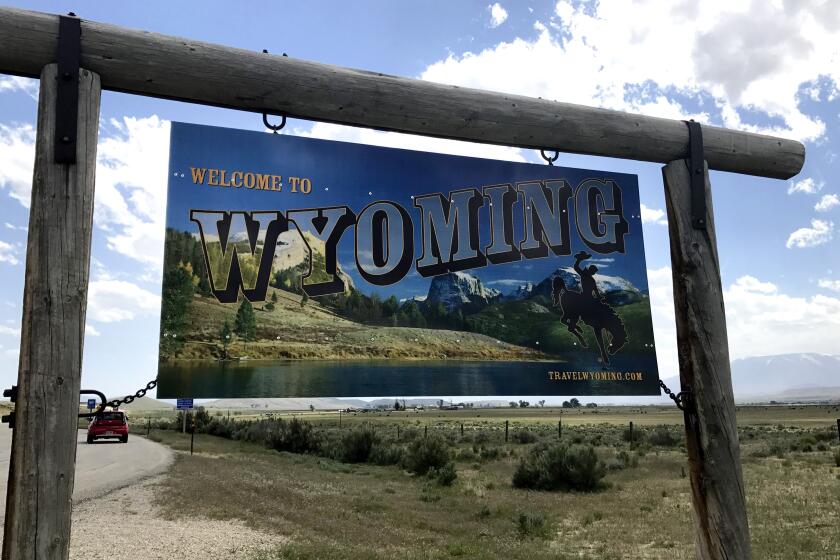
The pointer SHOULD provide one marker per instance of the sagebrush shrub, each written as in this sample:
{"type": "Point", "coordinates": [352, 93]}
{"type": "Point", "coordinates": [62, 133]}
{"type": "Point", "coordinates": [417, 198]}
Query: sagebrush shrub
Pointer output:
{"type": "Point", "coordinates": [357, 445]}
{"type": "Point", "coordinates": [560, 467]}
{"type": "Point", "coordinates": [663, 437]}
{"type": "Point", "coordinates": [524, 436]}
{"type": "Point", "coordinates": [426, 453]}
{"type": "Point", "coordinates": [386, 454]}
{"type": "Point", "coordinates": [295, 436]}
{"type": "Point", "coordinates": [531, 525]}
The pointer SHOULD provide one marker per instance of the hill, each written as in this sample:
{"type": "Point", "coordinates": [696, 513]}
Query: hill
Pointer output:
{"type": "Point", "coordinates": [297, 328]}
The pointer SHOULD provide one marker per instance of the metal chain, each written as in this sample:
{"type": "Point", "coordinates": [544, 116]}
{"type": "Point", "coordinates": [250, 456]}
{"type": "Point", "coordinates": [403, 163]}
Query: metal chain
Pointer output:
{"type": "Point", "coordinates": [128, 399]}
{"type": "Point", "coordinates": [678, 398]}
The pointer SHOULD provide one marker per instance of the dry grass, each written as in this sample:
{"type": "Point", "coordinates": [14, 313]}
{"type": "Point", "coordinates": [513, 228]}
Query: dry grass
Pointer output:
{"type": "Point", "coordinates": [333, 510]}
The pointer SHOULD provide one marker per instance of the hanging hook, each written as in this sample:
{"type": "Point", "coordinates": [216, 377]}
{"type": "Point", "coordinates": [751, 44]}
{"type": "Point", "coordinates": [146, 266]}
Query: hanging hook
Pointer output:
{"type": "Point", "coordinates": [273, 127]}
{"type": "Point", "coordinates": [550, 160]}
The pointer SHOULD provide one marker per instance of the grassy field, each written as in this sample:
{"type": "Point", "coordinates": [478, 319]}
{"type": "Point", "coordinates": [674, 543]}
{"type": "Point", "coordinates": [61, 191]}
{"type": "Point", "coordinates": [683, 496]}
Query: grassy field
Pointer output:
{"type": "Point", "coordinates": [331, 509]}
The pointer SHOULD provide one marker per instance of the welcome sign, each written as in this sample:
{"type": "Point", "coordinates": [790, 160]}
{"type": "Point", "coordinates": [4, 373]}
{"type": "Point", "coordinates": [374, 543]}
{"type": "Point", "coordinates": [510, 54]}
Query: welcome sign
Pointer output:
{"type": "Point", "coordinates": [297, 267]}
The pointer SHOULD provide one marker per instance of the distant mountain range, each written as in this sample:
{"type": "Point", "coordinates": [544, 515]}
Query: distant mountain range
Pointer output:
{"type": "Point", "coordinates": [784, 377]}
{"type": "Point", "coordinates": [457, 290]}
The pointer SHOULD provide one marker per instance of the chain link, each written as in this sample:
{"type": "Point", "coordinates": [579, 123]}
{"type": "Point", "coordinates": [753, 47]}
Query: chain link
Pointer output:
{"type": "Point", "coordinates": [678, 398]}
{"type": "Point", "coordinates": [128, 399]}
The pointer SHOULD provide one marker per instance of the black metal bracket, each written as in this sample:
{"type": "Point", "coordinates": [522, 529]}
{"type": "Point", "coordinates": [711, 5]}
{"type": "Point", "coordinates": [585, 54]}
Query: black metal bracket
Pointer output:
{"type": "Point", "coordinates": [11, 394]}
{"type": "Point", "coordinates": [696, 163]}
{"type": "Point", "coordinates": [67, 92]}
{"type": "Point", "coordinates": [9, 418]}
{"type": "Point", "coordinates": [102, 402]}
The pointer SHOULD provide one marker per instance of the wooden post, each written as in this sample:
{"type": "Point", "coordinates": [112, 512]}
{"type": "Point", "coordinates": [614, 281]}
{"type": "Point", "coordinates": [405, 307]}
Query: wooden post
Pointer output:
{"type": "Point", "coordinates": [425, 430]}
{"type": "Point", "coordinates": [717, 483]}
{"type": "Point", "coordinates": [838, 429]}
{"type": "Point", "coordinates": [149, 428]}
{"type": "Point", "coordinates": [462, 429]}
{"type": "Point", "coordinates": [506, 430]}
{"type": "Point", "coordinates": [631, 432]}
{"type": "Point", "coordinates": [559, 429]}
{"type": "Point", "coordinates": [43, 456]}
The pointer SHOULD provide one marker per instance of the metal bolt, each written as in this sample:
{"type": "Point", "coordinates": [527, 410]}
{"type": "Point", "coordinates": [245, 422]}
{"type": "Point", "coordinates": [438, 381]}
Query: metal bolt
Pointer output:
{"type": "Point", "coordinates": [65, 139]}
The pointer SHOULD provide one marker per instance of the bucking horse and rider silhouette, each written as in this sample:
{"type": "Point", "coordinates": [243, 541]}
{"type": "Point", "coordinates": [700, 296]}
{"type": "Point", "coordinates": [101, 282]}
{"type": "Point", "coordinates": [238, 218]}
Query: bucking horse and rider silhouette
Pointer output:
{"type": "Point", "coordinates": [588, 305]}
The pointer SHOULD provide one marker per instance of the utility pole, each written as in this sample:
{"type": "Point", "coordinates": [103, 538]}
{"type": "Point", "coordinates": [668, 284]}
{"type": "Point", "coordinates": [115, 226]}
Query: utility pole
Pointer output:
{"type": "Point", "coordinates": [43, 457]}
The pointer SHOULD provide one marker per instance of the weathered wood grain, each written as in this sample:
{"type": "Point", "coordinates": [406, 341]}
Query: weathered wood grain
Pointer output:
{"type": "Point", "coordinates": [169, 67]}
{"type": "Point", "coordinates": [42, 464]}
{"type": "Point", "coordinates": [717, 483]}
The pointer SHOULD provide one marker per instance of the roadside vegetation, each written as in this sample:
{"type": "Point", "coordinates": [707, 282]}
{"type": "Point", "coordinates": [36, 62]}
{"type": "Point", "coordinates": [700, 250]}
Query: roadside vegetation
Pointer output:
{"type": "Point", "coordinates": [418, 485]}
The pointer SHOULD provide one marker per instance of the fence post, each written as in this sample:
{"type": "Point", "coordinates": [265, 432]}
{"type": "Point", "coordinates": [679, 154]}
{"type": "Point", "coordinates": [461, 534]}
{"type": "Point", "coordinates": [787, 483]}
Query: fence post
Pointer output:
{"type": "Point", "coordinates": [559, 429]}
{"type": "Point", "coordinates": [462, 429]}
{"type": "Point", "coordinates": [149, 428]}
{"type": "Point", "coordinates": [506, 430]}
{"type": "Point", "coordinates": [425, 430]}
{"type": "Point", "coordinates": [43, 455]}
{"type": "Point", "coordinates": [838, 430]}
{"type": "Point", "coordinates": [631, 432]}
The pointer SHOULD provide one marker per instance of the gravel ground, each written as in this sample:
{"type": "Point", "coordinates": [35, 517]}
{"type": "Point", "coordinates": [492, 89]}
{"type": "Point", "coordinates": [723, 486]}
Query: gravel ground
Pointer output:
{"type": "Point", "coordinates": [125, 524]}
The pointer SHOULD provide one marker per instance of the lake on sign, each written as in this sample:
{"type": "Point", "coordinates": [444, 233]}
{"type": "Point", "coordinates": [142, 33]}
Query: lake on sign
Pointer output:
{"type": "Point", "coordinates": [295, 378]}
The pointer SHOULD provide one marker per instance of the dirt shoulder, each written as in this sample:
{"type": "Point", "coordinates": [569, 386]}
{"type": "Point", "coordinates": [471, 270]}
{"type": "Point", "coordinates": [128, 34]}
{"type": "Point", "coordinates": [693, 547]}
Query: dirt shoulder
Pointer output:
{"type": "Point", "coordinates": [127, 524]}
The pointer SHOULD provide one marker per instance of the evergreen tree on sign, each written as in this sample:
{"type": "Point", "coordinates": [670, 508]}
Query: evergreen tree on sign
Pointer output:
{"type": "Point", "coordinates": [245, 325]}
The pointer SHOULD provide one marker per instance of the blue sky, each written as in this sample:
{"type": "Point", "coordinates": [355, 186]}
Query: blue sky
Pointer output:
{"type": "Point", "coordinates": [767, 67]}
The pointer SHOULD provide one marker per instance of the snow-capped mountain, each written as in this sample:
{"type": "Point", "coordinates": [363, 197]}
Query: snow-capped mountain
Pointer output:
{"type": "Point", "coordinates": [524, 291]}
{"type": "Point", "coordinates": [456, 289]}
{"type": "Point", "coordinates": [615, 289]}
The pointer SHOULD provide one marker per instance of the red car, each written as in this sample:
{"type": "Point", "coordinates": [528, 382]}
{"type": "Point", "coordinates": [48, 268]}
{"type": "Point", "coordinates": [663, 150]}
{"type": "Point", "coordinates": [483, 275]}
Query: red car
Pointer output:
{"type": "Point", "coordinates": [109, 424]}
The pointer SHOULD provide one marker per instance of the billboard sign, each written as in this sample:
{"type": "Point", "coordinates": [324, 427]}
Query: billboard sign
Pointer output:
{"type": "Point", "coordinates": [298, 267]}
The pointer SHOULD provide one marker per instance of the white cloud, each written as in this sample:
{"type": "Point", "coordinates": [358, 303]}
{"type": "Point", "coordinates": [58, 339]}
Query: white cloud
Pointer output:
{"type": "Point", "coordinates": [110, 301]}
{"type": "Point", "coordinates": [9, 331]}
{"type": "Point", "coordinates": [328, 131]}
{"type": "Point", "coordinates": [8, 253]}
{"type": "Point", "coordinates": [760, 320]}
{"type": "Point", "coordinates": [131, 183]}
{"type": "Point", "coordinates": [806, 185]}
{"type": "Point", "coordinates": [665, 58]}
{"type": "Point", "coordinates": [833, 285]}
{"type": "Point", "coordinates": [14, 227]}
{"type": "Point", "coordinates": [821, 231]}
{"type": "Point", "coordinates": [90, 330]}
{"type": "Point", "coordinates": [28, 86]}
{"type": "Point", "coordinates": [653, 216]}
{"type": "Point", "coordinates": [17, 157]}
{"type": "Point", "coordinates": [498, 15]}
{"type": "Point", "coordinates": [827, 202]}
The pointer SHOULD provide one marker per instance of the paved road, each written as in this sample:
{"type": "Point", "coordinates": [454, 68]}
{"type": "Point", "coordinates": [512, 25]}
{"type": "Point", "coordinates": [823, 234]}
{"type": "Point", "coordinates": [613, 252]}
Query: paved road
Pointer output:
{"type": "Point", "coordinates": [100, 467]}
